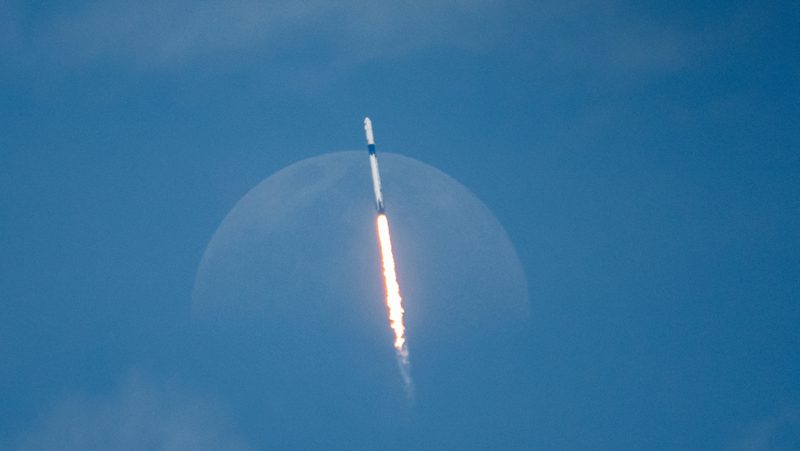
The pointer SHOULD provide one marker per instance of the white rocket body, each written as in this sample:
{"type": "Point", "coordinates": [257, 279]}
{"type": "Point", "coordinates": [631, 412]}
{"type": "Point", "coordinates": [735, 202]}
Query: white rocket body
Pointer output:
{"type": "Point", "coordinates": [373, 165]}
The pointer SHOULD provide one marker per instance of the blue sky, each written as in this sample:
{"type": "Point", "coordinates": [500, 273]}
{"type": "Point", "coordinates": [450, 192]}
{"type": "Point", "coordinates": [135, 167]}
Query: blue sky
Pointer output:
{"type": "Point", "coordinates": [642, 157]}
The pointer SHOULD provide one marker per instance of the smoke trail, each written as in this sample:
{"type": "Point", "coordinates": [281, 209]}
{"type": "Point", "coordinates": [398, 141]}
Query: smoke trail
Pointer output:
{"type": "Point", "coordinates": [395, 303]}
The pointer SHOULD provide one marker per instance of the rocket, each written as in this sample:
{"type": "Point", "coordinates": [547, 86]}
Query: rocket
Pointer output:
{"type": "Point", "coordinates": [373, 164]}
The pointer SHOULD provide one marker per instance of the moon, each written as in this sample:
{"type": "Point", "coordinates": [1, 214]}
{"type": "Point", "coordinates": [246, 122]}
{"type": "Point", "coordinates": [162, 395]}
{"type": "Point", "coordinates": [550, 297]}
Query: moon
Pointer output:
{"type": "Point", "coordinates": [292, 279]}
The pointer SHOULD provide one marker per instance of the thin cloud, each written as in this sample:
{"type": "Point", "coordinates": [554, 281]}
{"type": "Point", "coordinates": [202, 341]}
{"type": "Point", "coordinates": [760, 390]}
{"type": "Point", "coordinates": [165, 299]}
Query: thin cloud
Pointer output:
{"type": "Point", "coordinates": [781, 432]}
{"type": "Point", "coordinates": [139, 415]}
{"type": "Point", "coordinates": [154, 35]}
{"type": "Point", "coordinates": [308, 44]}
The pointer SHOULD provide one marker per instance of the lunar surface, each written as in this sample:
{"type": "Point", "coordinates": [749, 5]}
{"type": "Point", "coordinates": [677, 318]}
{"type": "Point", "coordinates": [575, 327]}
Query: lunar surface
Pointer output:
{"type": "Point", "coordinates": [292, 279]}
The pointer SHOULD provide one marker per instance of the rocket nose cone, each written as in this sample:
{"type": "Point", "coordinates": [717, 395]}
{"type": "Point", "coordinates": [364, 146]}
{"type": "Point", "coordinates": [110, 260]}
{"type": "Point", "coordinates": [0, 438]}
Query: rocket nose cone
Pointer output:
{"type": "Point", "coordinates": [368, 131]}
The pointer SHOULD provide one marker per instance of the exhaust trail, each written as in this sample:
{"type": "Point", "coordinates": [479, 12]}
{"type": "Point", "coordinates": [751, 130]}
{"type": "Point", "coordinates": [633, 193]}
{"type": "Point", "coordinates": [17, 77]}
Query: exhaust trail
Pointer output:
{"type": "Point", "coordinates": [394, 302]}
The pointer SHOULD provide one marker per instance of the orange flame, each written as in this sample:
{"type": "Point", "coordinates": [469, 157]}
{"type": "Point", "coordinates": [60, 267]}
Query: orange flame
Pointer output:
{"type": "Point", "coordinates": [395, 303]}
{"type": "Point", "coordinates": [393, 299]}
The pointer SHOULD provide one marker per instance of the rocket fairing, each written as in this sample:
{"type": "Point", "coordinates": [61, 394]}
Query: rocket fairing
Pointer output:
{"type": "Point", "coordinates": [373, 164]}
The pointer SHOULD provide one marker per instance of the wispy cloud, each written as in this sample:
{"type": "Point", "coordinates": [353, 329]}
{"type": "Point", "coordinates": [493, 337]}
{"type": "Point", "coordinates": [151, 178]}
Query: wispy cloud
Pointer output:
{"type": "Point", "coordinates": [781, 432]}
{"type": "Point", "coordinates": [155, 35]}
{"type": "Point", "coordinates": [139, 415]}
{"type": "Point", "coordinates": [307, 43]}
{"type": "Point", "coordinates": [152, 33]}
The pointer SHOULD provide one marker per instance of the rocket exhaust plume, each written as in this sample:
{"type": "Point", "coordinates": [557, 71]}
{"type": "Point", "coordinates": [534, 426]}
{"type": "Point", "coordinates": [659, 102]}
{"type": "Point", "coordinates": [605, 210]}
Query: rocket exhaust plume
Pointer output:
{"type": "Point", "coordinates": [394, 301]}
